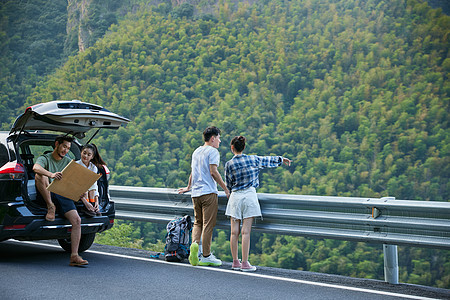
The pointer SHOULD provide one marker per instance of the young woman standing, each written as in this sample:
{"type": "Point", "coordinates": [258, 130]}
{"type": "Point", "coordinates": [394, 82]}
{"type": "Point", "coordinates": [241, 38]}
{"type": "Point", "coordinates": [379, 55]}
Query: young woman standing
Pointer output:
{"type": "Point", "coordinates": [242, 179]}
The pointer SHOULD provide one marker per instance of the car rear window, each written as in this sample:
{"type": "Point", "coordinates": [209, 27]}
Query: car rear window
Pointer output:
{"type": "Point", "coordinates": [80, 106]}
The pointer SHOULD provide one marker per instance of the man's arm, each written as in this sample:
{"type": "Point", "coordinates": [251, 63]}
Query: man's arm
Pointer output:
{"type": "Point", "coordinates": [38, 169]}
{"type": "Point", "coordinates": [188, 188]}
{"type": "Point", "coordinates": [216, 176]}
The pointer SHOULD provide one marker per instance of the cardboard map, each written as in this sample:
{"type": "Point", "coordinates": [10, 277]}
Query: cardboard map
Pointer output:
{"type": "Point", "coordinates": [75, 181]}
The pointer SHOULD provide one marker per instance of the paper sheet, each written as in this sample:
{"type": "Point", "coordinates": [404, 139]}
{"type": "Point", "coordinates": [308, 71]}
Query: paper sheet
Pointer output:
{"type": "Point", "coordinates": [76, 180]}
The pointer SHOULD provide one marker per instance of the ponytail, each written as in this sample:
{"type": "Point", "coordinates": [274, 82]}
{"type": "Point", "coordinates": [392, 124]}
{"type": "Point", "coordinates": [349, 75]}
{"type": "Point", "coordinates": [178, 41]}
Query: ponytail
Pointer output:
{"type": "Point", "coordinates": [239, 143]}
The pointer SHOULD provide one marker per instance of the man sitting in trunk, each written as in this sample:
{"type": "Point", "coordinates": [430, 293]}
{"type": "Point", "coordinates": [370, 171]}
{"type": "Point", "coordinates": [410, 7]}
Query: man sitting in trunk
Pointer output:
{"type": "Point", "coordinates": [47, 168]}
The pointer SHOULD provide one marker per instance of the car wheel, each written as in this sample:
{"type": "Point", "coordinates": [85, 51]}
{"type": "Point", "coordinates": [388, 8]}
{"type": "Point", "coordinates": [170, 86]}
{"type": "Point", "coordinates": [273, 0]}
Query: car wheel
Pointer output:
{"type": "Point", "coordinates": [85, 242]}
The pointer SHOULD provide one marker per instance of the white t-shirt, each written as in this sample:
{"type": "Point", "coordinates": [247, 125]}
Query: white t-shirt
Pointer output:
{"type": "Point", "coordinates": [94, 169]}
{"type": "Point", "coordinates": [202, 181]}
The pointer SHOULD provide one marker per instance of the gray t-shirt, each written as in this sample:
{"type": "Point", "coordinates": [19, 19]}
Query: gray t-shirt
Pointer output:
{"type": "Point", "coordinates": [202, 181]}
{"type": "Point", "coordinates": [52, 165]}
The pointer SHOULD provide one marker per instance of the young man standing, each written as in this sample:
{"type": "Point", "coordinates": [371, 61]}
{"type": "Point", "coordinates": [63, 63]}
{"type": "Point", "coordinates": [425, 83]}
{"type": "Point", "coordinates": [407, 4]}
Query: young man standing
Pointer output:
{"type": "Point", "coordinates": [203, 183]}
{"type": "Point", "coordinates": [47, 168]}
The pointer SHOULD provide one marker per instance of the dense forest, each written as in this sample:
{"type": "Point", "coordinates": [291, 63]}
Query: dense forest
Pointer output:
{"type": "Point", "coordinates": [355, 92]}
{"type": "Point", "coordinates": [37, 36]}
{"type": "Point", "coordinates": [32, 38]}
{"type": "Point", "coordinates": [356, 95]}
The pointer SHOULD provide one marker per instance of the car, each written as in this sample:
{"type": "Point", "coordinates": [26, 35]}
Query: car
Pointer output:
{"type": "Point", "coordinates": [22, 213]}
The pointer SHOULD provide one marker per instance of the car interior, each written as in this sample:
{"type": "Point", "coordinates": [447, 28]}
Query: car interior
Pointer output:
{"type": "Point", "coordinates": [30, 150]}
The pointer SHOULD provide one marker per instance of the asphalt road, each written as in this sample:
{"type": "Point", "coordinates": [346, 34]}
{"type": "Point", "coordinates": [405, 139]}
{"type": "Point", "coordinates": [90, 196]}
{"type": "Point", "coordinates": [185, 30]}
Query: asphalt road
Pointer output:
{"type": "Point", "coordinates": [40, 270]}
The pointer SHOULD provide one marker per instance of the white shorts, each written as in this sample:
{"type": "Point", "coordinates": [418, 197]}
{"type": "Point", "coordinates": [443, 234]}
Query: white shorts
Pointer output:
{"type": "Point", "coordinates": [243, 204]}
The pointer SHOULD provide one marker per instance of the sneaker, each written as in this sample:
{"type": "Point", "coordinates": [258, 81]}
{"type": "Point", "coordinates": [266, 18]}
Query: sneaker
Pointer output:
{"type": "Point", "coordinates": [236, 265]}
{"type": "Point", "coordinates": [247, 267]}
{"type": "Point", "coordinates": [193, 254]}
{"type": "Point", "coordinates": [200, 251]}
{"type": "Point", "coordinates": [211, 260]}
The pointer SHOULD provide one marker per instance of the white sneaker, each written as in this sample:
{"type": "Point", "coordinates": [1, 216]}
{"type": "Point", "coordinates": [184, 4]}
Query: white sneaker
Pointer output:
{"type": "Point", "coordinates": [200, 251]}
{"type": "Point", "coordinates": [211, 260]}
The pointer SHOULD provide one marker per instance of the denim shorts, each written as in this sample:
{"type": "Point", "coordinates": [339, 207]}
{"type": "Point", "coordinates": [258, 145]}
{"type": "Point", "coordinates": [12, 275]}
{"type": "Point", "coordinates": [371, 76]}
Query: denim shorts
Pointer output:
{"type": "Point", "coordinates": [63, 204]}
{"type": "Point", "coordinates": [243, 204]}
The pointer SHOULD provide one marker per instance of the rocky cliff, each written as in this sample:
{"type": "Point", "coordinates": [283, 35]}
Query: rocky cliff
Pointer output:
{"type": "Point", "coordinates": [77, 24]}
{"type": "Point", "coordinates": [88, 20]}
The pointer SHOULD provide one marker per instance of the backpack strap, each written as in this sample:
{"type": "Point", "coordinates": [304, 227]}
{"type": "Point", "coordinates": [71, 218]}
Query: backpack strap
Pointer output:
{"type": "Point", "coordinates": [156, 255]}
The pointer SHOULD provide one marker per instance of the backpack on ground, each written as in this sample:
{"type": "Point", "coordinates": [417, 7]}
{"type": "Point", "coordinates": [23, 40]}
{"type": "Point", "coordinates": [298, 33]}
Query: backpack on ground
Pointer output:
{"type": "Point", "coordinates": [178, 239]}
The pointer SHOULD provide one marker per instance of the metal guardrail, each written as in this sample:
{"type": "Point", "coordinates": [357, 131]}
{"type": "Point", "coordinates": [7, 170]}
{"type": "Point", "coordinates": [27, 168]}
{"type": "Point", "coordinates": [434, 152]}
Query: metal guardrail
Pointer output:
{"type": "Point", "coordinates": [385, 220]}
{"type": "Point", "coordinates": [376, 220]}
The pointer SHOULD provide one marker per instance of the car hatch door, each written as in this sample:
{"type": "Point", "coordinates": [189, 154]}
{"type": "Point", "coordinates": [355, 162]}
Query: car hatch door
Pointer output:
{"type": "Point", "coordinates": [72, 117]}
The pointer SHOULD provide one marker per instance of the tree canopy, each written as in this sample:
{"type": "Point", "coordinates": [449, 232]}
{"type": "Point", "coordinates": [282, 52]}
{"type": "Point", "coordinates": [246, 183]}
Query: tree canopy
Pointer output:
{"type": "Point", "coordinates": [355, 93]}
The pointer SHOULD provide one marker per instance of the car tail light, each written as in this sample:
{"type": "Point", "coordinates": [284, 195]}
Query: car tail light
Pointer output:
{"type": "Point", "coordinates": [12, 170]}
{"type": "Point", "coordinates": [21, 226]}
{"type": "Point", "coordinates": [30, 107]}
{"type": "Point", "coordinates": [108, 174]}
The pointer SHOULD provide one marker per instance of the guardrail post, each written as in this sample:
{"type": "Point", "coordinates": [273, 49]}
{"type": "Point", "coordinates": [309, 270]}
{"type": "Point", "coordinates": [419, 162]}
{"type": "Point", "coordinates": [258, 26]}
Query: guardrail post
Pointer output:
{"type": "Point", "coordinates": [390, 263]}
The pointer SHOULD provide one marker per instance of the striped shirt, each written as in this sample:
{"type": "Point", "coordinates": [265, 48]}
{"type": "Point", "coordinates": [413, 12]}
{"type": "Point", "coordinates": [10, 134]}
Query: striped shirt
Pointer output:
{"type": "Point", "coordinates": [242, 171]}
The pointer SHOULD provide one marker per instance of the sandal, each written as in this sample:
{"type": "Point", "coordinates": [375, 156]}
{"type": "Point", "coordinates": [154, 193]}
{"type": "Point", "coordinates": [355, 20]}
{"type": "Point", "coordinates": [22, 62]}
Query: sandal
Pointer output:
{"type": "Point", "coordinates": [76, 260]}
{"type": "Point", "coordinates": [50, 216]}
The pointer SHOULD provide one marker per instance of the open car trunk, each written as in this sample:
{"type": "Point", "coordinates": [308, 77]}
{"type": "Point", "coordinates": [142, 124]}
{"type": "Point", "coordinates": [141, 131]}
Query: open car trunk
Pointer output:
{"type": "Point", "coordinates": [68, 117]}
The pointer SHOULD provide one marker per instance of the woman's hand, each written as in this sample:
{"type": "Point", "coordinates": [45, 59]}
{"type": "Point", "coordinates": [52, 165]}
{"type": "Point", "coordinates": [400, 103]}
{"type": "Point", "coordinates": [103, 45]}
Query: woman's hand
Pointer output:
{"type": "Point", "coordinates": [287, 161]}
{"type": "Point", "coordinates": [90, 207]}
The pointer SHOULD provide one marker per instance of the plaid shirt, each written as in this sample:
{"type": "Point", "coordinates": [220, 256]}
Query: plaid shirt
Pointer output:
{"type": "Point", "coordinates": [242, 171]}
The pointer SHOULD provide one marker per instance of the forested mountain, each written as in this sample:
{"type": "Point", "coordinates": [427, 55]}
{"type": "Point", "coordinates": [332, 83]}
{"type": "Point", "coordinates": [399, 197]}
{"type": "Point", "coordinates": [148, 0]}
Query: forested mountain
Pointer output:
{"type": "Point", "coordinates": [37, 36]}
{"type": "Point", "coordinates": [32, 35]}
{"type": "Point", "coordinates": [355, 92]}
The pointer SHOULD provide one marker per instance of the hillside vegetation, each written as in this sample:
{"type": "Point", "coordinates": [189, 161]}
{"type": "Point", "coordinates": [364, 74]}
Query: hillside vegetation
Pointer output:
{"type": "Point", "coordinates": [37, 36]}
{"type": "Point", "coordinates": [355, 92]}
{"type": "Point", "coordinates": [32, 35]}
